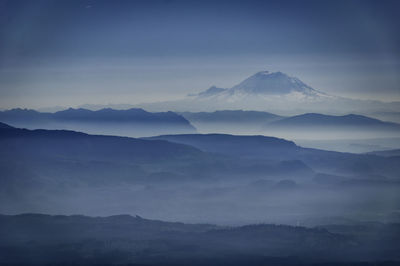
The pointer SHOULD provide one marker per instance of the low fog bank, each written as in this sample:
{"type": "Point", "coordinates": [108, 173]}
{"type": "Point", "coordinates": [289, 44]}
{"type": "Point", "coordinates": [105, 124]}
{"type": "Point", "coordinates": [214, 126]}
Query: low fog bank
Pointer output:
{"type": "Point", "coordinates": [285, 200]}
{"type": "Point", "coordinates": [392, 116]}
{"type": "Point", "coordinates": [352, 145]}
{"type": "Point", "coordinates": [342, 139]}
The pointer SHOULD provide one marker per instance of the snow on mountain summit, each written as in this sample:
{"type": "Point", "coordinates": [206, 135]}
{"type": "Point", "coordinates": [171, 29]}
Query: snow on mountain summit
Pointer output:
{"type": "Point", "coordinates": [273, 83]}
{"type": "Point", "coordinates": [268, 84]}
{"type": "Point", "coordinates": [274, 92]}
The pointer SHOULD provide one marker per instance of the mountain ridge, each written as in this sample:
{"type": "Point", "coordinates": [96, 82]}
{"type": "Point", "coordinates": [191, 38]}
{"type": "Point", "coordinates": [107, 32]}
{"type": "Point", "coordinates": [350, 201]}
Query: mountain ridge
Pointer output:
{"type": "Point", "coordinates": [317, 119]}
{"type": "Point", "coordinates": [82, 113]}
{"type": "Point", "coordinates": [79, 144]}
{"type": "Point", "coordinates": [131, 122]}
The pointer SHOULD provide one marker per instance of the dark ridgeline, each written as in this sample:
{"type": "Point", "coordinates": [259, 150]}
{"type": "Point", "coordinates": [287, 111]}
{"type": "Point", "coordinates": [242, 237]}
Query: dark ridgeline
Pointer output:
{"type": "Point", "coordinates": [43, 157]}
{"type": "Point", "coordinates": [65, 143]}
{"type": "Point", "coordinates": [32, 239]}
{"type": "Point", "coordinates": [3, 126]}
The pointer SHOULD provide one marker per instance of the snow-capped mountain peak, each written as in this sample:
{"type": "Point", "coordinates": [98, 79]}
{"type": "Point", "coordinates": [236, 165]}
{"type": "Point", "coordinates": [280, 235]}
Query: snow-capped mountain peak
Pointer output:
{"type": "Point", "coordinates": [274, 92]}
{"type": "Point", "coordinates": [273, 83]}
{"type": "Point", "coordinates": [263, 84]}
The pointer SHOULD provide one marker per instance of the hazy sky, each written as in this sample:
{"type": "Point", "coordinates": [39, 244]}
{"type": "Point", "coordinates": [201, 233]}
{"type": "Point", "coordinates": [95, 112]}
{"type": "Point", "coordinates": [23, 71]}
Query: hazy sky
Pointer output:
{"type": "Point", "coordinates": [74, 52]}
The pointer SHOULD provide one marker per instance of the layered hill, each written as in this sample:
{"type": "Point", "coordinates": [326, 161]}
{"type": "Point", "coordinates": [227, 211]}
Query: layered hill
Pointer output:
{"type": "Point", "coordinates": [242, 146]}
{"type": "Point", "coordinates": [189, 177]}
{"type": "Point", "coordinates": [271, 148]}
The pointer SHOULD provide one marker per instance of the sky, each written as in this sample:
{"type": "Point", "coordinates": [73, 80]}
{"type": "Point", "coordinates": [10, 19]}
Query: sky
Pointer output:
{"type": "Point", "coordinates": [69, 53]}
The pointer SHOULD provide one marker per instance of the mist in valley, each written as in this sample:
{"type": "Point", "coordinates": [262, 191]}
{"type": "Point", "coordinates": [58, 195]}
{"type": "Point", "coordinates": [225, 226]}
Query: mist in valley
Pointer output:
{"type": "Point", "coordinates": [201, 133]}
{"type": "Point", "coordinates": [165, 198]}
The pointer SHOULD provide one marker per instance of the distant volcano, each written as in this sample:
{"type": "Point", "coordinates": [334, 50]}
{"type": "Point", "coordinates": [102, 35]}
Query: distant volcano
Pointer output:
{"type": "Point", "coordinates": [263, 91]}
{"type": "Point", "coordinates": [274, 92]}
{"type": "Point", "coordinates": [266, 83]}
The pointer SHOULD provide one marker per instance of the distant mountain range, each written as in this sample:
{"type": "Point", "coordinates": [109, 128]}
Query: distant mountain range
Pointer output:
{"type": "Point", "coordinates": [313, 126]}
{"type": "Point", "coordinates": [309, 126]}
{"type": "Point", "coordinates": [313, 120]}
{"type": "Point", "coordinates": [274, 92]}
{"type": "Point", "coordinates": [130, 122]}
{"type": "Point", "coordinates": [140, 123]}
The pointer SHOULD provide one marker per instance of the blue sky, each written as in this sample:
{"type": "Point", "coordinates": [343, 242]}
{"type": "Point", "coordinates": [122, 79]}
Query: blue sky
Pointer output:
{"type": "Point", "coordinates": [74, 52]}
